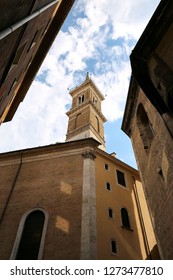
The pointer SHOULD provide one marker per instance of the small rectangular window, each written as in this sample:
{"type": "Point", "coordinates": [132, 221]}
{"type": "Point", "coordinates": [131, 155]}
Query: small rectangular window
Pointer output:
{"type": "Point", "coordinates": [110, 213]}
{"type": "Point", "coordinates": [35, 38]}
{"type": "Point", "coordinates": [113, 247]}
{"type": "Point", "coordinates": [121, 178]}
{"type": "Point", "coordinates": [45, 28]}
{"type": "Point", "coordinates": [106, 166]}
{"type": "Point", "coordinates": [12, 86]}
{"type": "Point", "coordinates": [108, 186]}
{"type": "Point", "coordinates": [28, 65]}
{"type": "Point", "coordinates": [17, 56]}
{"type": "Point", "coordinates": [33, 42]}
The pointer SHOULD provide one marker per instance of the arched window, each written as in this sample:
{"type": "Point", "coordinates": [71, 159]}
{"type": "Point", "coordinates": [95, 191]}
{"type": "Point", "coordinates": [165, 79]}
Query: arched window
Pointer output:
{"type": "Point", "coordinates": [98, 125]}
{"type": "Point", "coordinates": [106, 166]}
{"type": "Point", "coordinates": [125, 218]}
{"type": "Point", "coordinates": [144, 126]}
{"type": "Point", "coordinates": [81, 98]}
{"type": "Point", "coordinates": [95, 101]}
{"type": "Point", "coordinates": [113, 247]}
{"type": "Point", "coordinates": [77, 121]}
{"type": "Point", "coordinates": [30, 236]}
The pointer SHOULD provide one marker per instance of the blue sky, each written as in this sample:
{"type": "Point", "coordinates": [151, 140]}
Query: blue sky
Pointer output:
{"type": "Point", "coordinates": [97, 37]}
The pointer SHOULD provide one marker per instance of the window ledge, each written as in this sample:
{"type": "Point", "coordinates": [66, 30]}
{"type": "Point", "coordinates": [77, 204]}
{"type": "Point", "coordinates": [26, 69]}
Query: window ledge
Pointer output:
{"type": "Point", "coordinates": [127, 228]}
{"type": "Point", "coordinates": [114, 254]}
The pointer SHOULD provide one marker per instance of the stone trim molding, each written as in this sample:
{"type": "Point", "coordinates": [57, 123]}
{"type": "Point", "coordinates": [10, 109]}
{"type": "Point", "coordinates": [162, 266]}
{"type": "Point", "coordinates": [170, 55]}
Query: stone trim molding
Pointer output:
{"type": "Point", "coordinates": [88, 223]}
{"type": "Point", "coordinates": [89, 154]}
{"type": "Point", "coordinates": [20, 230]}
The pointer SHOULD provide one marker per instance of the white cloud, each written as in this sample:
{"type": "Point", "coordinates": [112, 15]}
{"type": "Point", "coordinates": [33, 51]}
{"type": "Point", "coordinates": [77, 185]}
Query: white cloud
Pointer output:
{"type": "Point", "coordinates": [128, 17]}
{"type": "Point", "coordinates": [99, 41]}
{"type": "Point", "coordinates": [40, 120]}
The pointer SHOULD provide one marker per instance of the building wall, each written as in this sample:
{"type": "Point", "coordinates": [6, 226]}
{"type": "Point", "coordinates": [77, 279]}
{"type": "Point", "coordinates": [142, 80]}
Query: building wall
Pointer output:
{"type": "Point", "coordinates": [87, 133]}
{"type": "Point", "coordinates": [137, 242]}
{"type": "Point", "coordinates": [19, 47]}
{"type": "Point", "coordinates": [68, 181]}
{"type": "Point", "coordinates": [52, 181]}
{"type": "Point", "coordinates": [153, 146]}
{"type": "Point", "coordinates": [78, 119]}
{"type": "Point", "coordinates": [24, 48]}
{"type": "Point", "coordinates": [85, 122]}
{"type": "Point", "coordinates": [97, 123]}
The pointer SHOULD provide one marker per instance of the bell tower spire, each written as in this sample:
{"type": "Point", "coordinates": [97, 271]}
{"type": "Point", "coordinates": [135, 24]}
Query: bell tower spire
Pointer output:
{"type": "Point", "coordinates": [85, 116]}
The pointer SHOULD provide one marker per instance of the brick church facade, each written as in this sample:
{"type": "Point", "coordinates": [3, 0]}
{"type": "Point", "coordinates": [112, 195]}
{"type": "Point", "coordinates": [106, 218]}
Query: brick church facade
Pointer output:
{"type": "Point", "coordinates": [73, 200]}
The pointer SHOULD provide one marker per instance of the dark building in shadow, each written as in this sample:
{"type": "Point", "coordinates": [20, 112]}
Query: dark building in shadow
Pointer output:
{"type": "Point", "coordinates": [148, 120]}
{"type": "Point", "coordinates": [27, 31]}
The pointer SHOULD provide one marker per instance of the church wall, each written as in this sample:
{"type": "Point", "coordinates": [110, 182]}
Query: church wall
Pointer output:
{"type": "Point", "coordinates": [81, 120]}
{"type": "Point", "coordinates": [131, 243]}
{"type": "Point", "coordinates": [86, 93]}
{"type": "Point", "coordinates": [53, 182]}
{"type": "Point", "coordinates": [6, 182]}
{"type": "Point", "coordinates": [94, 120]}
{"type": "Point", "coordinates": [155, 163]}
{"type": "Point", "coordinates": [78, 119]}
{"type": "Point", "coordinates": [96, 100]}
{"type": "Point", "coordinates": [55, 179]}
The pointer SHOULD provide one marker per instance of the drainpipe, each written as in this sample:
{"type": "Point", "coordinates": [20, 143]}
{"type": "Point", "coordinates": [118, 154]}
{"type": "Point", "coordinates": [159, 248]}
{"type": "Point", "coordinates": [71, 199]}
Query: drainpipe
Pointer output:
{"type": "Point", "coordinates": [21, 22]}
{"type": "Point", "coordinates": [146, 244]}
{"type": "Point", "coordinates": [11, 191]}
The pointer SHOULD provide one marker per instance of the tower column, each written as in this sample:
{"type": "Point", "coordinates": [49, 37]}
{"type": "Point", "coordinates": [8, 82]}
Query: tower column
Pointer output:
{"type": "Point", "coordinates": [88, 224]}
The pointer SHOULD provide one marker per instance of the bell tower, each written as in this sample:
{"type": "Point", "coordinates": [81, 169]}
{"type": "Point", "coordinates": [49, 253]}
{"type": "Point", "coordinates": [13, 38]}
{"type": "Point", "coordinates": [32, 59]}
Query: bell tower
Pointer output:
{"type": "Point", "coordinates": [85, 116]}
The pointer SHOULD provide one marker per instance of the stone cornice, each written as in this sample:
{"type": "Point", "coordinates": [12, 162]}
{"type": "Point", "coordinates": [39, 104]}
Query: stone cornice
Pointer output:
{"type": "Point", "coordinates": [87, 82]}
{"type": "Point", "coordinates": [117, 162]}
{"type": "Point", "coordinates": [130, 106]}
{"type": "Point", "coordinates": [83, 105]}
{"type": "Point", "coordinates": [58, 147]}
